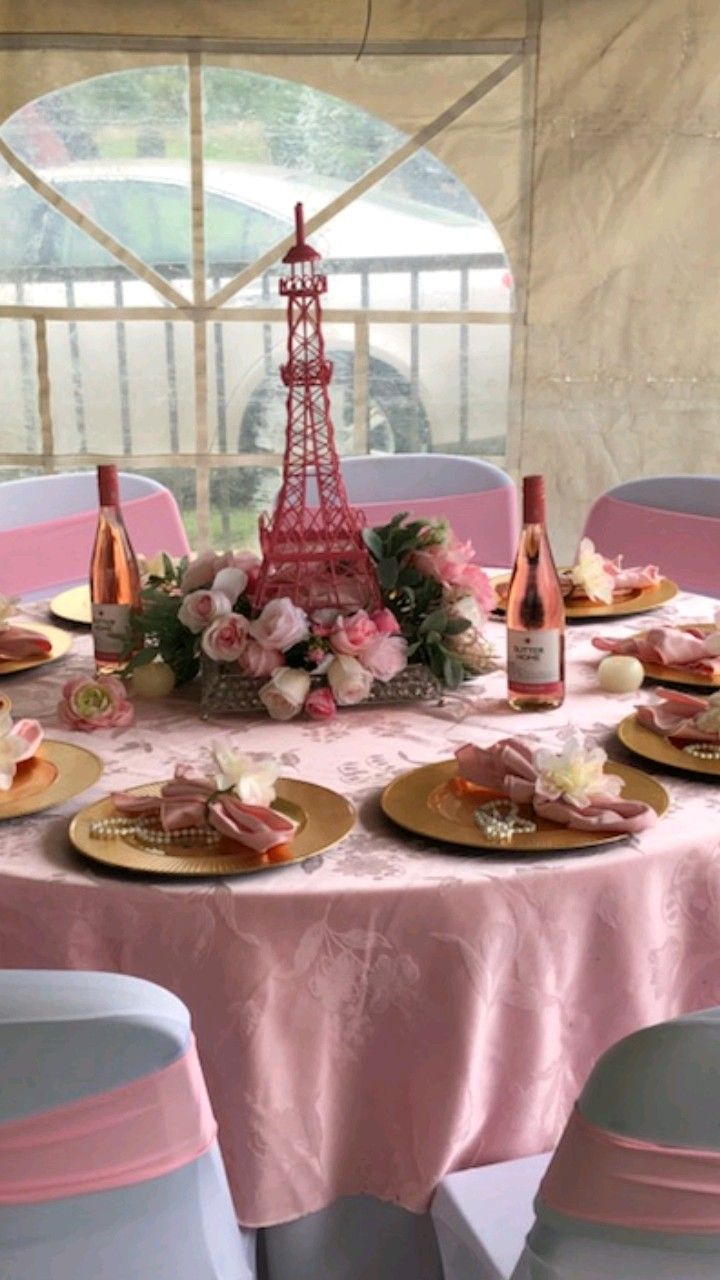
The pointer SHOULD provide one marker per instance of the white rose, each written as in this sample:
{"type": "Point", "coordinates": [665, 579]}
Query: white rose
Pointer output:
{"type": "Point", "coordinates": [285, 692]}
{"type": "Point", "coordinates": [232, 581]}
{"type": "Point", "coordinates": [200, 608]}
{"type": "Point", "coordinates": [349, 681]}
{"type": "Point", "coordinates": [280, 625]}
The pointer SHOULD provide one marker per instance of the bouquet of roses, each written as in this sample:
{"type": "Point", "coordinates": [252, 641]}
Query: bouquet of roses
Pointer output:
{"type": "Point", "coordinates": [435, 601]}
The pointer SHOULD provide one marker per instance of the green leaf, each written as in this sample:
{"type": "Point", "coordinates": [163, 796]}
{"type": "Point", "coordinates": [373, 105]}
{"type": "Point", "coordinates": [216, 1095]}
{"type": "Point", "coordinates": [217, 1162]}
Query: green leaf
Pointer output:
{"type": "Point", "coordinates": [374, 543]}
{"type": "Point", "coordinates": [388, 572]}
{"type": "Point", "coordinates": [456, 626]}
{"type": "Point", "coordinates": [143, 658]}
{"type": "Point", "coordinates": [435, 621]}
{"type": "Point", "coordinates": [453, 671]}
{"type": "Point", "coordinates": [168, 567]}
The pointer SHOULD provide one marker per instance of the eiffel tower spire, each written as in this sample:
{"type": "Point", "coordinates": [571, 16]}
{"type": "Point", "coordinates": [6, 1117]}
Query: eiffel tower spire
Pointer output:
{"type": "Point", "coordinates": [313, 554]}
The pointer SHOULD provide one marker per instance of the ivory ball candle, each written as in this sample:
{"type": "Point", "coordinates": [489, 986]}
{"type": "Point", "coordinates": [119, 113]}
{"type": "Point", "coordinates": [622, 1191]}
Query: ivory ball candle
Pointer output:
{"type": "Point", "coordinates": [620, 673]}
{"type": "Point", "coordinates": [156, 680]}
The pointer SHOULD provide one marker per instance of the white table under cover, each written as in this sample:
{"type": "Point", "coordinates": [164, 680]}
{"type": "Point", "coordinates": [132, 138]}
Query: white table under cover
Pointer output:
{"type": "Point", "coordinates": [389, 1011]}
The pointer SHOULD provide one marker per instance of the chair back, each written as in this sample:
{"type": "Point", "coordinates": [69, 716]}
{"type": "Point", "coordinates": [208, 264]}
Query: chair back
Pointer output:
{"type": "Point", "coordinates": [671, 521]}
{"type": "Point", "coordinates": [476, 497]}
{"type": "Point", "coordinates": [653, 1097]}
{"type": "Point", "coordinates": [67, 1041]}
{"type": "Point", "coordinates": [47, 527]}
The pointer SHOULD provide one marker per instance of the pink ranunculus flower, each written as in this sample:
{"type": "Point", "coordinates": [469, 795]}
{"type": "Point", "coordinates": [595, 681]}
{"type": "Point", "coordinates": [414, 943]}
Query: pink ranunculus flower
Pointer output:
{"type": "Point", "coordinates": [256, 661]}
{"type": "Point", "coordinates": [99, 702]}
{"type": "Point", "coordinates": [280, 625]}
{"type": "Point", "coordinates": [349, 680]}
{"type": "Point", "coordinates": [226, 637]}
{"type": "Point", "coordinates": [200, 608]}
{"type": "Point", "coordinates": [320, 704]}
{"type": "Point", "coordinates": [385, 657]}
{"type": "Point", "coordinates": [353, 634]}
{"type": "Point", "coordinates": [285, 692]}
{"type": "Point", "coordinates": [386, 622]}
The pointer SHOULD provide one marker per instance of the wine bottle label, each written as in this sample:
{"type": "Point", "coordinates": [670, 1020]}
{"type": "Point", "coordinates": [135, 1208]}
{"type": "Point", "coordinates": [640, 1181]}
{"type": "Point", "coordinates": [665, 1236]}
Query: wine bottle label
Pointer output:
{"type": "Point", "coordinates": [533, 657]}
{"type": "Point", "coordinates": [112, 628]}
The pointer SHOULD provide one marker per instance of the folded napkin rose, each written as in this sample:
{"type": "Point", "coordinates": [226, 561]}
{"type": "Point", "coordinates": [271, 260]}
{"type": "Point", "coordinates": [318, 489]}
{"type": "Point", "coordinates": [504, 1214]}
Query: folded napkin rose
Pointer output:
{"type": "Point", "coordinates": [670, 647]}
{"type": "Point", "coordinates": [19, 743]}
{"type": "Point", "coordinates": [194, 799]}
{"type": "Point", "coordinates": [601, 579]}
{"type": "Point", "coordinates": [682, 716]}
{"type": "Point", "coordinates": [570, 788]}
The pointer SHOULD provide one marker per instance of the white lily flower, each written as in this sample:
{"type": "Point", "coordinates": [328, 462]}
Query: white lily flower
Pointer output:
{"type": "Point", "coordinates": [590, 574]}
{"type": "Point", "coordinates": [253, 783]}
{"type": "Point", "coordinates": [12, 749]}
{"type": "Point", "coordinates": [7, 609]}
{"type": "Point", "coordinates": [577, 773]}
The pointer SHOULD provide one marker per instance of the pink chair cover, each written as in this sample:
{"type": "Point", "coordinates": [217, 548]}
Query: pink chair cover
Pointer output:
{"type": "Point", "coordinates": [58, 551]}
{"type": "Point", "coordinates": [140, 1130]}
{"type": "Point", "coordinates": [487, 518]}
{"type": "Point", "coordinates": [686, 547]}
{"type": "Point", "coordinates": [599, 1176]}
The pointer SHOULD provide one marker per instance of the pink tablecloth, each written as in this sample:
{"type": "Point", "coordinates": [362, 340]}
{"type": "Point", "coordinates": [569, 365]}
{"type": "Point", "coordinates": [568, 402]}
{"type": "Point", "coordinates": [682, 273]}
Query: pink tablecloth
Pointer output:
{"type": "Point", "coordinates": [388, 1012]}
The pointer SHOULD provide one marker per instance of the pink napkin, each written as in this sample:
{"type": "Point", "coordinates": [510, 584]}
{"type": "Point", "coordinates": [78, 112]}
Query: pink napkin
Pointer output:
{"type": "Point", "coordinates": [670, 647]}
{"type": "Point", "coordinates": [192, 800]}
{"type": "Point", "coordinates": [633, 578]}
{"type": "Point", "coordinates": [676, 715]}
{"type": "Point", "coordinates": [508, 767]}
{"type": "Point", "coordinates": [17, 643]}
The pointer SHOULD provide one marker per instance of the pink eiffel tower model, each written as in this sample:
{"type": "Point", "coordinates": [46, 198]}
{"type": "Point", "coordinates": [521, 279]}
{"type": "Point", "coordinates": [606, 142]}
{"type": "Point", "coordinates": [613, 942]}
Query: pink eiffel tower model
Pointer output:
{"type": "Point", "coordinates": [314, 554]}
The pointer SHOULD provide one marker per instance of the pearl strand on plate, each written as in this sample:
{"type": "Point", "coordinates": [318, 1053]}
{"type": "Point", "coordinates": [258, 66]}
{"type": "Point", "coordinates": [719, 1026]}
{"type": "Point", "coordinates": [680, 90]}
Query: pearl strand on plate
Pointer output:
{"type": "Point", "coordinates": [703, 751]}
{"type": "Point", "coordinates": [500, 820]}
{"type": "Point", "coordinates": [111, 828]}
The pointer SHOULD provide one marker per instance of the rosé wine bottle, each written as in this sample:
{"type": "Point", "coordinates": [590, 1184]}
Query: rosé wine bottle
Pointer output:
{"type": "Point", "coordinates": [114, 581]}
{"type": "Point", "coordinates": [535, 613]}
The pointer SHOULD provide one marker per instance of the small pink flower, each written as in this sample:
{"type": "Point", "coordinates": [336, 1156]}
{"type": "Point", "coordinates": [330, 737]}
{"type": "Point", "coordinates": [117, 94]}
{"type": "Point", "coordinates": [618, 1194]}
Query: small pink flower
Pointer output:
{"type": "Point", "coordinates": [385, 657]}
{"type": "Point", "coordinates": [280, 625]}
{"type": "Point", "coordinates": [316, 654]}
{"type": "Point", "coordinates": [320, 705]}
{"type": "Point", "coordinates": [386, 622]}
{"type": "Point", "coordinates": [349, 681]}
{"type": "Point", "coordinates": [353, 634]}
{"type": "Point", "coordinates": [200, 608]}
{"type": "Point", "coordinates": [95, 703]}
{"type": "Point", "coordinates": [226, 637]}
{"type": "Point", "coordinates": [256, 661]}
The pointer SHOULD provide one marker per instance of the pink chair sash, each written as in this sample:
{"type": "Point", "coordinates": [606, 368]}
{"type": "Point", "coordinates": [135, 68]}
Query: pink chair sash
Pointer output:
{"type": "Point", "coordinates": [488, 519]}
{"type": "Point", "coordinates": [125, 1135]}
{"type": "Point", "coordinates": [685, 547]}
{"type": "Point", "coordinates": [58, 551]}
{"type": "Point", "coordinates": [605, 1177]}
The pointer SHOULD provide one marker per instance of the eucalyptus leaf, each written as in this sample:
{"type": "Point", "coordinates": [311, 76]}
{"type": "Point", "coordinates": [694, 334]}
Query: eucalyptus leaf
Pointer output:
{"type": "Point", "coordinates": [388, 572]}
{"type": "Point", "coordinates": [456, 626]}
{"type": "Point", "coordinates": [374, 543]}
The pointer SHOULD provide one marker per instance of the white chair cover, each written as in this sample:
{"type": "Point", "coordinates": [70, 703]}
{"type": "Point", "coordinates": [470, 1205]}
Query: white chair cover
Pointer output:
{"type": "Point", "coordinates": [64, 1036]}
{"type": "Point", "coordinates": [661, 1084]}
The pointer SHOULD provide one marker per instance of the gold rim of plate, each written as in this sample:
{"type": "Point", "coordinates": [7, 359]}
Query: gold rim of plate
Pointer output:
{"type": "Point", "coordinates": [652, 746]}
{"type": "Point", "coordinates": [676, 675]}
{"type": "Point", "coordinates": [324, 818]}
{"type": "Point", "coordinates": [74, 769]}
{"type": "Point", "coordinates": [73, 605]}
{"type": "Point", "coordinates": [417, 800]}
{"type": "Point", "coordinates": [61, 641]}
{"type": "Point", "coordinates": [641, 601]}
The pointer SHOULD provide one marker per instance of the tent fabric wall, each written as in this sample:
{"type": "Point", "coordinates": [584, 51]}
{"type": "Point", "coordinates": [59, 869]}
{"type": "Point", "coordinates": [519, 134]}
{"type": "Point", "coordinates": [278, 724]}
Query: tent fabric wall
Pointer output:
{"type": "Point", "coordinates": [596, 162]}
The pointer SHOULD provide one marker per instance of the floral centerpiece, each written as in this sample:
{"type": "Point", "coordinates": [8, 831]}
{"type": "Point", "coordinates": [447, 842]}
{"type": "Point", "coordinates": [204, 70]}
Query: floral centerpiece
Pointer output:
{"type": "Point", "coordinates": [435, 600]}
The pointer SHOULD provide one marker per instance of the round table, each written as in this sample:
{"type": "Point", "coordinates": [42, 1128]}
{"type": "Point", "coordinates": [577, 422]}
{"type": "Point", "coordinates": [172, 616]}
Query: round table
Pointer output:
{"type": "Point", "coordinates": [388, 1011]}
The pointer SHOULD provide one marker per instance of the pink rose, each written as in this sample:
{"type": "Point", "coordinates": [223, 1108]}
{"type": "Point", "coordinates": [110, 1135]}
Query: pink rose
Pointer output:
{"type": "Point", "coordinates": [385, 657]}
{"type": "Point", "coordinates": [450, 564]}
{"type": "Point", "coordinates": [386, 622]}
{"type": "Point", "coordinates": [226, 637]}
{"type": "Point", "coordinates": [353, 634]}
{"type": "Point", "coordinates": [478, 585]}
{"type": "Point", "coordinates": [349, 681]}
{"type": "Point", "coordinates": [200, 608]}
{"type": "Point", "coordinates": [320, 704]}
{"type": "Point", "coordinates": [284, 695]}
{"type": "Point", "coordinates": [256, 661]}
{"type": "Point", "coordinates": [201, 571]}
{"type": "Point", "coordinates": [280, 625]}
{"type": "Point", "coordinates": [95, 703]}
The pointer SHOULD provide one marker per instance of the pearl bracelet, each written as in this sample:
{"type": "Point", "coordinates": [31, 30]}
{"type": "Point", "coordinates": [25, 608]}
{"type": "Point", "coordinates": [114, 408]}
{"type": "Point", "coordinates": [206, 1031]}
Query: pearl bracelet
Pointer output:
{"type": "Point", "coordinates": [499, 820]}
{"type": "Point", "coordinates": [111, 828]}
{"type": "Point", "coordinates": [703, 750]}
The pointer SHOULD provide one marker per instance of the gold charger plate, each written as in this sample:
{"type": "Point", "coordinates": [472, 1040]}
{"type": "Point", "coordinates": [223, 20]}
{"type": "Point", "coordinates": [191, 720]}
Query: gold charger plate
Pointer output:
{"type": "Point", "coordinates": [422, 802]}
{"type": "Point", "coordinates": [676, 675]}
{"type": "Point", "coordinates": [60, 641]}
{"type": "Point", "coordinates": [324, 817]}
{"type": "Point", "coordinates": [640, 601]}
{"type": "Point", "coordinates": [73, 605]}
{"type": "Point", "coordinates": [57, 772]}
{"type": "Point", "coordinates": [652, 746]}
